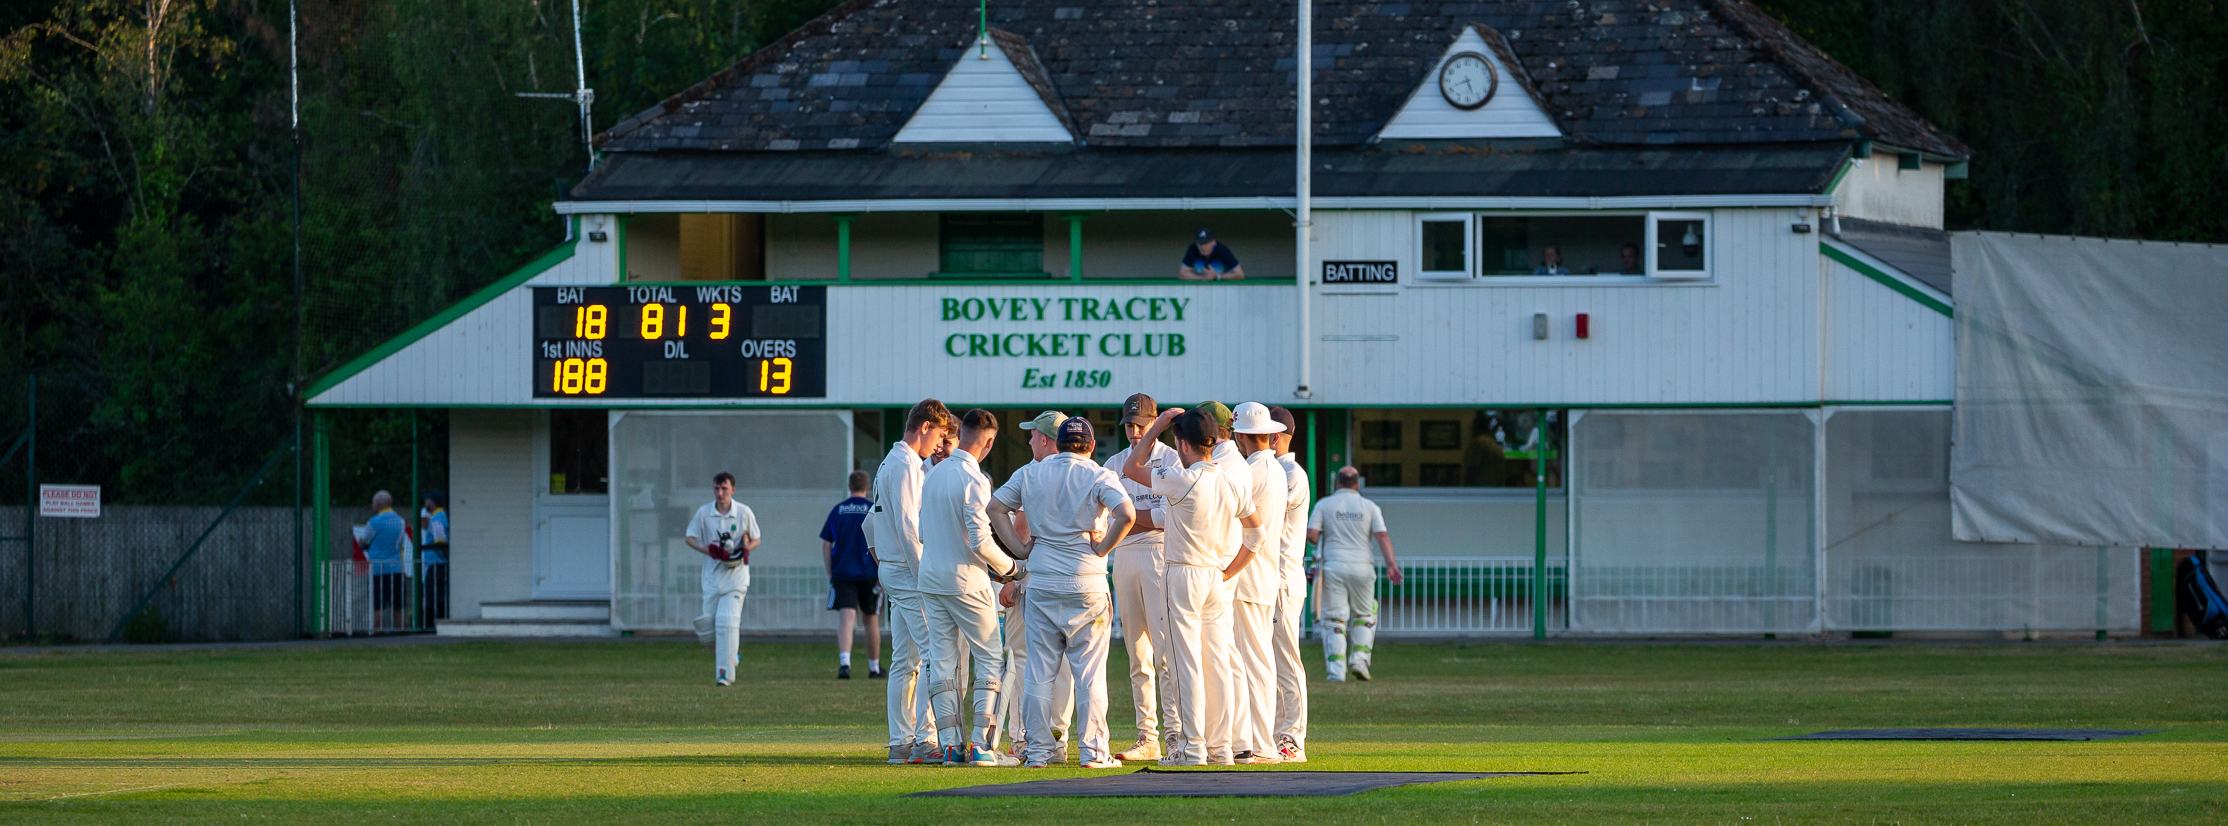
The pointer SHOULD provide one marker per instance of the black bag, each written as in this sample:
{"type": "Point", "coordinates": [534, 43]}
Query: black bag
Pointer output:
{"type": "Point", "coordinates": [2198, 595]}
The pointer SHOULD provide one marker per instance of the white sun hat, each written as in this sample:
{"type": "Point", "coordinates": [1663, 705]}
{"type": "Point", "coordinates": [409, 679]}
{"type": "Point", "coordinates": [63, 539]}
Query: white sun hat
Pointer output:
{"type": "Point", "coordinates": [1252, 418]}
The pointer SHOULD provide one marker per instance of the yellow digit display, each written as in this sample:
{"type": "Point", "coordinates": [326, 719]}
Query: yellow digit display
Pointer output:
{"type": "Point", "coordinates": [681, 330]}
{"type": "Point", "coordinates": [653, 321]}
{"type": "Point", "coordinates": [721, 313]}
{"type": "Point", "coordinates": [572, 377]}
{"type": "Point", "coordinates": [588, 322]}
{"type": "Point", "coordinates": [572, 372]}
{"type": "Point", "coordinates": [773, 375]}
{"type": "Point", "coordinates": [595, 381]}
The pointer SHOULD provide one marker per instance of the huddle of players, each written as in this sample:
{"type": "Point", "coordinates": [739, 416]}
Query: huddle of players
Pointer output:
{"type": "Point", "coordinates": [1206, 542]}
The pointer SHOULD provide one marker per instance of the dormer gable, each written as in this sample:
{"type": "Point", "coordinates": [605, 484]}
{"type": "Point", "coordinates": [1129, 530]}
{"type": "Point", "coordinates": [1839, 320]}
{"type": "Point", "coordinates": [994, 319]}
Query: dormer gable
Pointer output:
{"type": "Point", "coordinates": [996, 93]}
{"type": "Point", "coordinates": [1510, 109]}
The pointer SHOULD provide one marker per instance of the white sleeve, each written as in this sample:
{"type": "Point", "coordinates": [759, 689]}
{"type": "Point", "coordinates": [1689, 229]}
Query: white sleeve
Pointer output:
{"type": "Point", "coordinates": [1009, 494]}
{"type": "Point", "coordinates": [1376, 519]}
{"type": "Point", "coordinates": [976, 501]}
{"type": "Point", "coordinates": [906, 522]}
{"type": "Point", "coordinates": [696, 525]}
{"type": "Point", "coordinates": [750, 523]}
{"type": "Point", "coordinates": [1315, 520]}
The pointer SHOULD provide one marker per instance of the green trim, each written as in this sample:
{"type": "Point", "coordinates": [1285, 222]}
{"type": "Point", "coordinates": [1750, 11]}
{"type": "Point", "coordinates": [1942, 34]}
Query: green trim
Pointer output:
{"type": "Point", "coordinates": [1889, 281]}
{"type": "Point", "coordinates": [843, 246]}
{"type": "Point", "coordinates": [1075, 247]}
{"type": "Point", "coordinates": [552, 258]}
{"type": "Point", "coordinates": [1847, 164]}
{"type": "Point", "coordinates": [1034, 279]}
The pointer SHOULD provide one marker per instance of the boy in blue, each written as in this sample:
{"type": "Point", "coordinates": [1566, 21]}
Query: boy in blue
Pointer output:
{"type": "Point", "coordinates": [1209, 260]}
{"type": "Point", "coordinates": [851, 577]}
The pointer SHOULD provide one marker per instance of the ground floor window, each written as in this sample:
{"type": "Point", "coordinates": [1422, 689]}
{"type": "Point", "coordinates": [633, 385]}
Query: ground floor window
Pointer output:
{"type": "Point", "coordinates": [579, 452]}
{"type": "Point", "coordinates": [1457, 447]}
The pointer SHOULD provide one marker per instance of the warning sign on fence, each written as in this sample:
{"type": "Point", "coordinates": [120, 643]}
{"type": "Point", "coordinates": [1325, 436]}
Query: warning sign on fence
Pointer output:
{"type": "Point", "coordinates": [80, 501]}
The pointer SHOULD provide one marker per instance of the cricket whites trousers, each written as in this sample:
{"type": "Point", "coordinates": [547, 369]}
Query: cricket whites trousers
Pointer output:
{"type": "Point", "coordinates": [1291, 673]}
{"type": "Point", "coordinates": [721, 623]}
{"type": "Point", "coordinates": [1141, 600]}
{"type": "Point", "coordinates": [1349, 614]}
{"type": "Point", "coordinates": [1068, 637]}
{"type": "Point", "coordinates": [964, 629]}
{"type": "Point", "coordinates": [1011, 714]}
{"type": "Point", "coordinates": [1199, 659]}
{"type": "Point", "coordinates": [907, 698]}
{"type": "Point", "coordinates": [1253, 711]}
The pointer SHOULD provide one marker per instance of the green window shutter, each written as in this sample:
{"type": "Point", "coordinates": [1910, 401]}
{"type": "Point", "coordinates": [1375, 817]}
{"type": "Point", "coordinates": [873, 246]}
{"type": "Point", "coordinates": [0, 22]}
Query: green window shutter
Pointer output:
{"type": "Point", "coordinates": [991, 243]}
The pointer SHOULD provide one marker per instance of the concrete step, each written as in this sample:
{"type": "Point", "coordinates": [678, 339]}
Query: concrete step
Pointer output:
{"type": "Point", "coordinates": [524, 628]}
{"type": "Point", "coordinates": [548, 609]}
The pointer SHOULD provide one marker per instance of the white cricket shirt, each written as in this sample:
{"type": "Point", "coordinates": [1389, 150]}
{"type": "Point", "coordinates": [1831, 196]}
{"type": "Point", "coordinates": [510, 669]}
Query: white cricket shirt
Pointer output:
{"type": "Point", "coordinates": [894, 528]}
{"type": "Point", "coordinates": [957, 551]}
{"type": "Point", "coordinates": [1260, 581]}
{"type": "Point", "coordinates": [1228, 460]}
{"type": "Point", "coordinates": [1348, 523]}
{"type": "Point", "coordinates": [1292, 547]}
{"type": "Point", "coordinates": [1067, 497]}
{"type": "Point", "coordinates": [1202, 503]}
{"type": "Point", "coordinates": [709, 525]}
{"type": "Point", "coordinates": [1141, 498]}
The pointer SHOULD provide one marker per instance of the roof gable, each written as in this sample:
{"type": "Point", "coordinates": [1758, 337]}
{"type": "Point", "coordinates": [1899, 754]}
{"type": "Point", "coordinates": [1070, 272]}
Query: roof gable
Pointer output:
{"type": "Point", "coordinates": [1512, 112]}
{"type": "Point", "coordinates": [988, 97]}
{"type": "Point", "coordinates": [1203, 74]}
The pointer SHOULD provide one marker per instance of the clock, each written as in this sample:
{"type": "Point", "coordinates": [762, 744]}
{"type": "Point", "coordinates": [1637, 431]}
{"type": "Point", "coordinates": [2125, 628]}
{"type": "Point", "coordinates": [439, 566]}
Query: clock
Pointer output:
{"type": "Point", "coordinates": [1467, 80]}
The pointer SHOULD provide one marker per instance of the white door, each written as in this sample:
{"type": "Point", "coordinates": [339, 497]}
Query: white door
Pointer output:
{"type": "Point", "coordinates": [572, 547]}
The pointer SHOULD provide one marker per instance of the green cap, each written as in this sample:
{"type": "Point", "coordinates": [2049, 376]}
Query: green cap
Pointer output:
{"type": "Point", "coordinates": [1221, 414]}
{"type": "Point", "coordinates": [1047, 423]}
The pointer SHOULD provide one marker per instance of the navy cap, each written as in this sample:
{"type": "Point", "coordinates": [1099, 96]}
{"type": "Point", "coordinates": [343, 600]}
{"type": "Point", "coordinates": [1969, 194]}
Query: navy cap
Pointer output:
{"type": "Point", "coordinates": [1076, 430]}
{"type": "Point", "coordinates": [1205, 235]}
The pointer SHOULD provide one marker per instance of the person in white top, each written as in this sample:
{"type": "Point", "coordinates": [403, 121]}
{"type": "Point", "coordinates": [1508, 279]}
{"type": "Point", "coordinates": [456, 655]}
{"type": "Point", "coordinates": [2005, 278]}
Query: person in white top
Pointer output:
{"type": "Point", "coordinates": [1202, 501]}
{"type": "Point", "coordinates": [1139, 598]}
{"type": "Point", "coordinates": [1230, 461]}
{"type": "Point", "coordinates": [725, 532]}
{"type": "Point", "coordinates": [1253, 607]}
{"type": "Point", "coordinates": [1341, 528]}
{"type": "Point", "coordinates": [959, 557]}
{"type": "Point", "coordinates": [1291, 673]}
{"type": "Point", "coordinates": [1081, 513]}
{"type": "Point", "coordinates": [893, 533]}
{"type": "Point", "coordinates": [1014, 599]}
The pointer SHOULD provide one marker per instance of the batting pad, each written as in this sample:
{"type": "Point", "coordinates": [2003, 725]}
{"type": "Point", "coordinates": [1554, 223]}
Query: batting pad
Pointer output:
{"type": "Point", "coordinates": [1157, 783]}
{"type": "Point", "coordinates": [1968, 734]}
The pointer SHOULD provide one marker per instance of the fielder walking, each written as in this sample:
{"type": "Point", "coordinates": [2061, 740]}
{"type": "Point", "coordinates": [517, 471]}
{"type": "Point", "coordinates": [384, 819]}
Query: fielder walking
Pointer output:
{"type": "Point", "coordinates": [1342, 528]}
{"type": "Point", "coordinates": [1069, 613]}
{"type": "Point", "coordinates": [959, 557]}
{"type": "Point", "coordinates": [725, 532]}
{"type": "Point", "coordinates": [894, 534]}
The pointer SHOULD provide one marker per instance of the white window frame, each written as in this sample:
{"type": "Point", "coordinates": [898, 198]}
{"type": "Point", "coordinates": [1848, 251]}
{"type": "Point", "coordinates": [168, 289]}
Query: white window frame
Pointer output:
{"type": "Point", "coordinates": [1469, 270]}
{"type": "Point", "coordinates": [1709, 244]}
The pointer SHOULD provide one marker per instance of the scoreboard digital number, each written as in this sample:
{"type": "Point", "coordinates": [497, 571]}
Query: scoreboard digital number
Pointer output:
{"type": "Point", "coordinates": [714, 341]}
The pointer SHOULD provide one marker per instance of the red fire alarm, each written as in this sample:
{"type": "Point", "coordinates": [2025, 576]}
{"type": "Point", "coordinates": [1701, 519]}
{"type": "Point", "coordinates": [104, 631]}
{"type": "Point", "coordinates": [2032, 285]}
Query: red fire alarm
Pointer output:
{"type": "Point", "coordinates": [1582, 325]}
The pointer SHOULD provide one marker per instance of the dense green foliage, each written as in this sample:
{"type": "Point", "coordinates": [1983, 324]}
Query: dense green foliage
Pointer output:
{"type": "Point", "coordinates": [634, 732]}
{"type": "Point", "coordinates": [145, 209]}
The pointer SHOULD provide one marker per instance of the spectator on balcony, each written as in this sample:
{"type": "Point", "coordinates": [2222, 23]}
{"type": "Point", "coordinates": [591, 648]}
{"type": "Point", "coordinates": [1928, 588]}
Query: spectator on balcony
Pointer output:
{"type": "Point", "coordinates": [1629, 259]}
{"type": "Point", "coordinates": [1210, 260]}
{"type": "Point", "coordinates": [1551, 262]}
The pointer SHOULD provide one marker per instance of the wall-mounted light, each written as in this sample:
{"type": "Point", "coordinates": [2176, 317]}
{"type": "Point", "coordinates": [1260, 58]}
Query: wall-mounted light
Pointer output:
{"type": "Point", "coordinates": [1691, 242]}
{"type": "Point", "coordinates": [1539, 326]}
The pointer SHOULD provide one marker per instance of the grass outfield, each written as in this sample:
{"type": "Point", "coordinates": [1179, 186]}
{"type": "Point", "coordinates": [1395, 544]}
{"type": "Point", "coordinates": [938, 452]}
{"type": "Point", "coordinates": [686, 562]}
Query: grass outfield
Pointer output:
{"type": "Point", "coordinates": [634, 732]}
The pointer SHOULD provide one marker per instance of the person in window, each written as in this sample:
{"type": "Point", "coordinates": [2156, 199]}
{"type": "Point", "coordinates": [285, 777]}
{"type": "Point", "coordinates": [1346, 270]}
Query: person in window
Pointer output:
{"type": "Point", "coordinates": [1551, 262]}
{"type": "Point", "coordinates": [1209, 260]}
{"type": "Point", "coordinates": [1629, 256]}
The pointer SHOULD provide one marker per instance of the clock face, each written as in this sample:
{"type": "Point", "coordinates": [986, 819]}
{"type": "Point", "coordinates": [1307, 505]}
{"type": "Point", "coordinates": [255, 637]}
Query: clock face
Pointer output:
{"type": "Point", "coordinates": [1467, 80]}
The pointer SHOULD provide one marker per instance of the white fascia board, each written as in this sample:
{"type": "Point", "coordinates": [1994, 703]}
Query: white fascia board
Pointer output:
{"type": "Point", "coordinates": [1444, 202]}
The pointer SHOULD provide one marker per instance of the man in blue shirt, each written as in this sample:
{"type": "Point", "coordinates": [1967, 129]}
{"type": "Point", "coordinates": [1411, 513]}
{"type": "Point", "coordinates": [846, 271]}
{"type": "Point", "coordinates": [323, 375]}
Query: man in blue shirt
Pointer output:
{"type": "Point", "coordinates": [433, 556]}
{"type": "Point", "coordinates": [384, 552]}
{"type": "Point", "coordinates": [851, 577]}
{"type": "Point", "coordinates": [1209, 260]}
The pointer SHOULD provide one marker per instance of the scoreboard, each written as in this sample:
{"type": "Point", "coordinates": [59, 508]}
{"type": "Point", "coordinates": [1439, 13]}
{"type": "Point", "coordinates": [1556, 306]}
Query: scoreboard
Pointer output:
{"type": "Point", "coordinates": [711, 341]}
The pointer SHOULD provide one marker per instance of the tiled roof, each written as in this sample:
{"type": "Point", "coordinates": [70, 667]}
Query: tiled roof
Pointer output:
{"type": "Point", "coordinates": [1199, 74]}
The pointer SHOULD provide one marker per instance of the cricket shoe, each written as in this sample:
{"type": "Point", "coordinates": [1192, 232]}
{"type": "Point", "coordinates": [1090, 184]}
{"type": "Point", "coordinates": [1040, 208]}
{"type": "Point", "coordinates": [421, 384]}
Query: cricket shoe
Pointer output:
{"type": "Point", "coordinates": [1336, 678]}
{"type": "Point", "coordinates": [722, 678]}
{"type": "Point", "coordinates": [1146, 749]}
{"type": "Point", "coordinates": [1361, 672]}
{"type": "Point", "coordinates": [926, 752]}
{"type": "Point", "coordinates": [1248, 758]}
{"type": "Point", "coordinates": [843, 672]}
{"type": "Point", "coordinates": [1034, 764]}
{"type": "Point", "coordinates": [976, 755]}
{"type": "Point", "coordinates": [1290, 751]}
{"type": "Point", "coordinates": [1008, 760]}
{"type": "Point", "coordinates": [901, 754]}
{"type": "Point", "coordinates": [875, 674]}
{"type": "Point", "coordinates": [955, 755]}
{"type": "Point", "coordinates": [1108, 763]}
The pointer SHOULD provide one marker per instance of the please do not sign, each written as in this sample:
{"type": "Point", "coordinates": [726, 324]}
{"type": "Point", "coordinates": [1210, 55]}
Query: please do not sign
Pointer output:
{"type": "Point", "coordinates": [73, 501]}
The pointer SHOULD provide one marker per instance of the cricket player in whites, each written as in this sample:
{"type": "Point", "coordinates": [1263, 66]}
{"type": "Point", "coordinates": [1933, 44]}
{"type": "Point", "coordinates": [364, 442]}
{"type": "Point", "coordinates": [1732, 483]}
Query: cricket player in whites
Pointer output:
{"type": "Point", "coordinates": [1341, 528]}
{"type": "Point", "coordinates": [1139, 596]}
{"type": "Point", "coordinates": [725, 532]}
{"type": "Point", "coordinates": [1202, 502]}
{"type": "Point", "coordinates": [1070, 613]}
{"type": "Point", "coordinates": [1253, 603]}
{"type": "Point", "coordinates": [1291, 673]}
{"type": "Point", "coordinates": [894, 535]}
{"type": "Point", "coordinates": [1014, 598]}
{"type": "Point", "coordinates": [959, 558]}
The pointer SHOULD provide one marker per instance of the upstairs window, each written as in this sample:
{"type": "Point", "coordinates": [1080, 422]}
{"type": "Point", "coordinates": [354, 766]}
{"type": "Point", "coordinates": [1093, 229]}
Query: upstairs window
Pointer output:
{"type": "Point", "coordinates": [1001, 244]}
{"type": "Point", "coordinates": [1505, 248]}
{"type": "Point", "coordinates": [1679, 245]}
{"type": "Point", "coordinates": [1560, 245]}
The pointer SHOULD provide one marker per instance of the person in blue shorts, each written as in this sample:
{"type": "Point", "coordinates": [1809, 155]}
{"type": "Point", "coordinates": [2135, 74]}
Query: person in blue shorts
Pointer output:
{"type": "Point", "coordinates": [852, 588]}
{"type": "Point", "coordinates": [1209, 260]}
